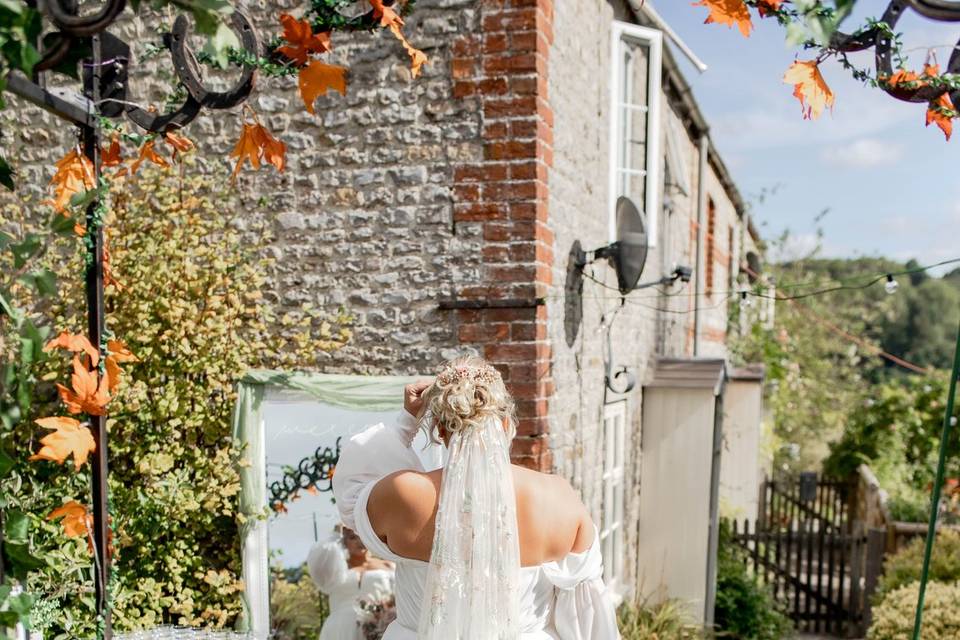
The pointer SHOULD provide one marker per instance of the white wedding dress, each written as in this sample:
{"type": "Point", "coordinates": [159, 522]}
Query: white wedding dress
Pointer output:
{"type": "Point", "coordinates": [327, 565]}
{"type": "Point", "coordinates": [563, 600]}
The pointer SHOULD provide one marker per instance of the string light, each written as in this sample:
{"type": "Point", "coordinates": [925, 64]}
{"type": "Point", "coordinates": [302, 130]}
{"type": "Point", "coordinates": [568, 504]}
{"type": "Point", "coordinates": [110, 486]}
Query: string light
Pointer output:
{"type": "Point", "coordinates": [891, 285]}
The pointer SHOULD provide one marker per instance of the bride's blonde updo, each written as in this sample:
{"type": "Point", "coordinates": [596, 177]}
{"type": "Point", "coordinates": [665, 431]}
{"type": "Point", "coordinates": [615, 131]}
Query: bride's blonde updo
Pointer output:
{"type": "Point", "coordinates": [467, 393]}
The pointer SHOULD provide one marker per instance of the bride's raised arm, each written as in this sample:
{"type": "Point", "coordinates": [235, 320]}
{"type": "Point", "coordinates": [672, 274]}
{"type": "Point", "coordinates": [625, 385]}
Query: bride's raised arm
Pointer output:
{"type": "Point", "coordinates": [370, 455]}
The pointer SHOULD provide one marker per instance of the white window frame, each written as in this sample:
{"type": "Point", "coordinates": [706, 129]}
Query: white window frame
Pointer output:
{"type": "Point", "coordinates": [614, 495]}
{"type": "Point", "coordinates": [622, 32]}
{"type": "Point", "coordinates": [675, 158]}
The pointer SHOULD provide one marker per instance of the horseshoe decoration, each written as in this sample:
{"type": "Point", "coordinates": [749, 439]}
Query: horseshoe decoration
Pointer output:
{"type": "Point", "coordinates": [64, 14]}
{"type": "Point", "coordinates": [942, 10]}
{"type": "Point", "coordinates": [188, 70]}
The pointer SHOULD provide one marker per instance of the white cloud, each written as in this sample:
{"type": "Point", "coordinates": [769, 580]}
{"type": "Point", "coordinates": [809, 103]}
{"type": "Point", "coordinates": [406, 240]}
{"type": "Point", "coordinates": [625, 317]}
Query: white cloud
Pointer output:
{"type": "Point", "coordinates": [862, 154]}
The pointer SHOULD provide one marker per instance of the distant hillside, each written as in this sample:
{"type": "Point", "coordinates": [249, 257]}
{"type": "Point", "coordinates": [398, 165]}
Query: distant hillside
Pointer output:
{"type": "Point", "coordinates": [918, 322]}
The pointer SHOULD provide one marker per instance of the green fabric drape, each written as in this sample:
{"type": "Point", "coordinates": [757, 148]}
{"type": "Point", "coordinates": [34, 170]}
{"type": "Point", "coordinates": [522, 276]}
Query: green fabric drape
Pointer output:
{"type": "Point", "coordinates": [363, 393]}
{"type": "Point", "coordinates": [359, 392]}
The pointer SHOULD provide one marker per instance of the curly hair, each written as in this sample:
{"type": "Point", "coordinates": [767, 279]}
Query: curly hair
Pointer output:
{"type": "Point", "coordinates": [467, 393]}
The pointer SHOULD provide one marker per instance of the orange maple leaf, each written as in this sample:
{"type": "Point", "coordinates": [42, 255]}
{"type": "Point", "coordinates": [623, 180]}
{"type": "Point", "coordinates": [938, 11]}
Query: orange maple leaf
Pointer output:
{"type": "Point", "coordinates": [88, 394]}
{"type": "Point", "coordinates": [417, 58]}
{"type": "Point", "coordinates": [317, 77]}
{"type": "Point", "coordinates": [942, 112]}
{"type": "Point", "coordinates": [118, 353]}
{"type": "Point", "coordinates": [312, 490]}
{"type": "Point", "coordinates": [931, 70]}
{"type": "Point", "coordinates": [392, 20]}
{"type": "Point", "coordinates": [303, 41]}
{"type": "Point", "coordinates": [180, 144]}
{"type": "Point", "coordinates": [110, 156]}
{"type": "Point", "coordinates": [148, 152]}
{"type": "Point", "coordinates": [279, 507]}
{"type": "Point", "coordinates": [728, 12]}
{"type": "Point", "coordinates": [809, 88]}
{"type": "Point", "coordinates": [256, 145]}
{"type": "Point", "coordinates": [76, 521]}
{"type": "Point", "coordinates": [768, 7]}
{"type": "Point", "coordinates": [74, 175]}
{"type": "Point", "coordinates": [902, 76]}
{"type": "Point", "coordinates": [75, 343]}
{"type": "Point", "coordinates": [113, 372]}
{"type": "Point", "coordinates": [387, 16]}
{"type": "Point", "coordinates": [68, 437]}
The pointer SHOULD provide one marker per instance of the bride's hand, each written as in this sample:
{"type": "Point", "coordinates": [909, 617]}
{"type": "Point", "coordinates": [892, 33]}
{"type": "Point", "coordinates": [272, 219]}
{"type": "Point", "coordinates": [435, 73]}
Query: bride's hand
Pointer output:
{"type": "Point", "coordinates": [413, 396]}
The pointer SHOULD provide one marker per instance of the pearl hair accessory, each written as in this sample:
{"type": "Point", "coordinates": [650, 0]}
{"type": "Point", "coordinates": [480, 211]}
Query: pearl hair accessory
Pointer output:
{"type": "Point", "coordinates": [483, 374]}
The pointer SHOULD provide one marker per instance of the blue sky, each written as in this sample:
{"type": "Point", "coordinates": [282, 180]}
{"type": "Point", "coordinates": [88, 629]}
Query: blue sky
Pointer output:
{"type": "Point", "coordinates": [890, 183]}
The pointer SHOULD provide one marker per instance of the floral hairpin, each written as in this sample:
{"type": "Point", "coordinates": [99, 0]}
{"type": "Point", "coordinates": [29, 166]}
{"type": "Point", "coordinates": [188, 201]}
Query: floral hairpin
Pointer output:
{"type": "Point", "coordinates": [483, 374]}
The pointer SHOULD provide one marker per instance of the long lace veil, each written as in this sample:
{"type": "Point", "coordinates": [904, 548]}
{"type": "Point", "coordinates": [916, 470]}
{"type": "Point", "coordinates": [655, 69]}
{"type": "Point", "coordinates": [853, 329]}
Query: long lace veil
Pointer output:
{"type": "Point", "coordinates": [472, 586]}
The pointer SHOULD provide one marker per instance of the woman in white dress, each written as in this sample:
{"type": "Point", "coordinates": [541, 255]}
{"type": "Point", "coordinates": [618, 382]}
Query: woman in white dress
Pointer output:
{"type": "Point", "coordinates": [485, 550]}
{"type": "Point", "coordinates": [343, 568]}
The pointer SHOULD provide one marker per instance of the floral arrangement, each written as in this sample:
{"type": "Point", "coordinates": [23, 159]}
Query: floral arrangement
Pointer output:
{"type": "Point", "coordinates": [375, 614]}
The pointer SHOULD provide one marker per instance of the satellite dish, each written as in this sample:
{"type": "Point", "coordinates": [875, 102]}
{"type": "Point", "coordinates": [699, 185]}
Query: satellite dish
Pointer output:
{"type": "Point", "coordinates": [628, 254]}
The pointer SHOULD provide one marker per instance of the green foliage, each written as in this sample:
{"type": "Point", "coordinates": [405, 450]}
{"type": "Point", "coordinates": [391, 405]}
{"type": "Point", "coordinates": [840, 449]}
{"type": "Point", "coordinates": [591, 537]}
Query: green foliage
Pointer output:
{"type": "Point", "coordinates": [896, 432]}
{"type": "Point", "coordinates": [903, 567]}
{"type": "Point", "coordinates": [821, 383]}
{"type": "Point", "coordinates": [297, 608]}
{"type": "Point", "coordinates": [745, 608]}
{"type": "Point", "coordinates": [666, 621]}
{"type": "Point", "coordinates": [196, 324]}
{"type": "Point", "coordinates": [893, 618]}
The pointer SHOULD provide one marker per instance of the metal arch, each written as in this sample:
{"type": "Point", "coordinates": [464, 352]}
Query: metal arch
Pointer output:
{"type": "Point", "coordinates": [310, 472]}
{"type": "Point", "coordinates": [884, 59]}
{"type": "Point", "coordinates": [188, 70]}
{"type": "Point", "coordinates": [64, 15]}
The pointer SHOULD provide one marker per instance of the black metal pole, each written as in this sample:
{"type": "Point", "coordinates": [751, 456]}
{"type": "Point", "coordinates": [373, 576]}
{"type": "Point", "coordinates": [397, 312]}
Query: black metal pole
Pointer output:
{"type": "Point", "coordinates": [95, 324]}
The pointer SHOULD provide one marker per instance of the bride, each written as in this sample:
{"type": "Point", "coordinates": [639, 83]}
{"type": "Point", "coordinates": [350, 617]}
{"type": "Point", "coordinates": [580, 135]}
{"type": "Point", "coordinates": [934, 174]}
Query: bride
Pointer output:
{"type": "Point", "coordinates": [343, 568]}
{"type": "Point", "coordinates": [485, 550]}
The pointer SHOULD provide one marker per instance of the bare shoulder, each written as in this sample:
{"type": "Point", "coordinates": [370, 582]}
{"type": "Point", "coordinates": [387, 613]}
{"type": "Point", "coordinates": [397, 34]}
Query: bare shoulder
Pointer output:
{"type": "Point", "coordinates": [407, 489]}
{"type": "Point", "coordinates": [403, 501]}
{"type": "Point", "coordinates": [550, 503]}
{"type": "Point", "coordinates": [551, 486]}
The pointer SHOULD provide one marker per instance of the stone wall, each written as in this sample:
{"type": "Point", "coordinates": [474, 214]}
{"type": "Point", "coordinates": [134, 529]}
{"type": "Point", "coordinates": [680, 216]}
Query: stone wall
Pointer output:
{"type": "Point", "coordinates": [363, 214]}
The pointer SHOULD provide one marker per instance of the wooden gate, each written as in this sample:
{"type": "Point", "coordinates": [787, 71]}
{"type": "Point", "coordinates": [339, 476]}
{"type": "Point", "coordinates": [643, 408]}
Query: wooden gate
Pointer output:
{"type": "Point", "coordinates": [812, 558]}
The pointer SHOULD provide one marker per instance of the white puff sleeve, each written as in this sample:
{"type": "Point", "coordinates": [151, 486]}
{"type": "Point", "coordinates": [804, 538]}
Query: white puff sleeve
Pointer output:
{"type": "Point", "coordinates": [368, 456]}
{"type": "Point", "coordinates": [327, 564]}
{"type": "Point", "coordinates": [582, 609]}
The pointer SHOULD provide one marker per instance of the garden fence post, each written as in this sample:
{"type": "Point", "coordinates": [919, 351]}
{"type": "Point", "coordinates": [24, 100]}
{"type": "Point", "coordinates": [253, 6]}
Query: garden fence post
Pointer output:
{"type": "Point", "coordinates": [94, 292]}
{"type": "Point", "coordinates": [876, 542]}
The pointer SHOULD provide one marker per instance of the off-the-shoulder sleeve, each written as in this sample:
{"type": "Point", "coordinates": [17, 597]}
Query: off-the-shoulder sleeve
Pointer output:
{"type": "Point", "coordinates": [583, 609]}
{"type": "Point", "coordinates": [368, 456]}
{"type": "Point", "coordinates": [327, 564]}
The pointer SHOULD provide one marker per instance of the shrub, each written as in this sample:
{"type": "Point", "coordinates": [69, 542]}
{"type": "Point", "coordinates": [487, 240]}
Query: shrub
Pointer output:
{"type": "Point", "coordinates": [903, 567]}
{"type": "Point", "coordinates": [745, 608]}
{"type": "Point", "coordinates": [893, 618]}
{"type": "Point", "coordinates": [194, 309]}
{"type": "Point", "coordinates": [297, 608]}
{"type": "Point", "coordinates": [666, 621]}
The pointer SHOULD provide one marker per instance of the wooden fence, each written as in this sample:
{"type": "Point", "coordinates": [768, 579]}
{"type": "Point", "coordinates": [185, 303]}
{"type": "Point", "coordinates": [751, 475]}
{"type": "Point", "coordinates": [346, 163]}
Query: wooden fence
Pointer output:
{"type": "Point", "coordinates": [806, 498]}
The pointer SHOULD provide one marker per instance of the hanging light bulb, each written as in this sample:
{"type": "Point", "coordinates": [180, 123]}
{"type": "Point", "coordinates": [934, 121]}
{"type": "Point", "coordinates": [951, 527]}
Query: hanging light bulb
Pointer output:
{"type": "Point", "coordinates": [745, 298]}
{"type": "Point", "coordinates": [891, 285]}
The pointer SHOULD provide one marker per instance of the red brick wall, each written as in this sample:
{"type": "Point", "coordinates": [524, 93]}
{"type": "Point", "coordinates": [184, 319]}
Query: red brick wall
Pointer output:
{"type": "Point", "coordinates": [504, 68]}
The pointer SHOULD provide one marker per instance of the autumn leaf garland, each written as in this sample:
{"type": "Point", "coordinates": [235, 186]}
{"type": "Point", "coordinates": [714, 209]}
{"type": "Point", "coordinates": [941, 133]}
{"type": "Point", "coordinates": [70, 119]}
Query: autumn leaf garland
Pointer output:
{"type": "Point", "coordinates": [809, 86]}
{"type": "Point", "coordinates": [88, 393]}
